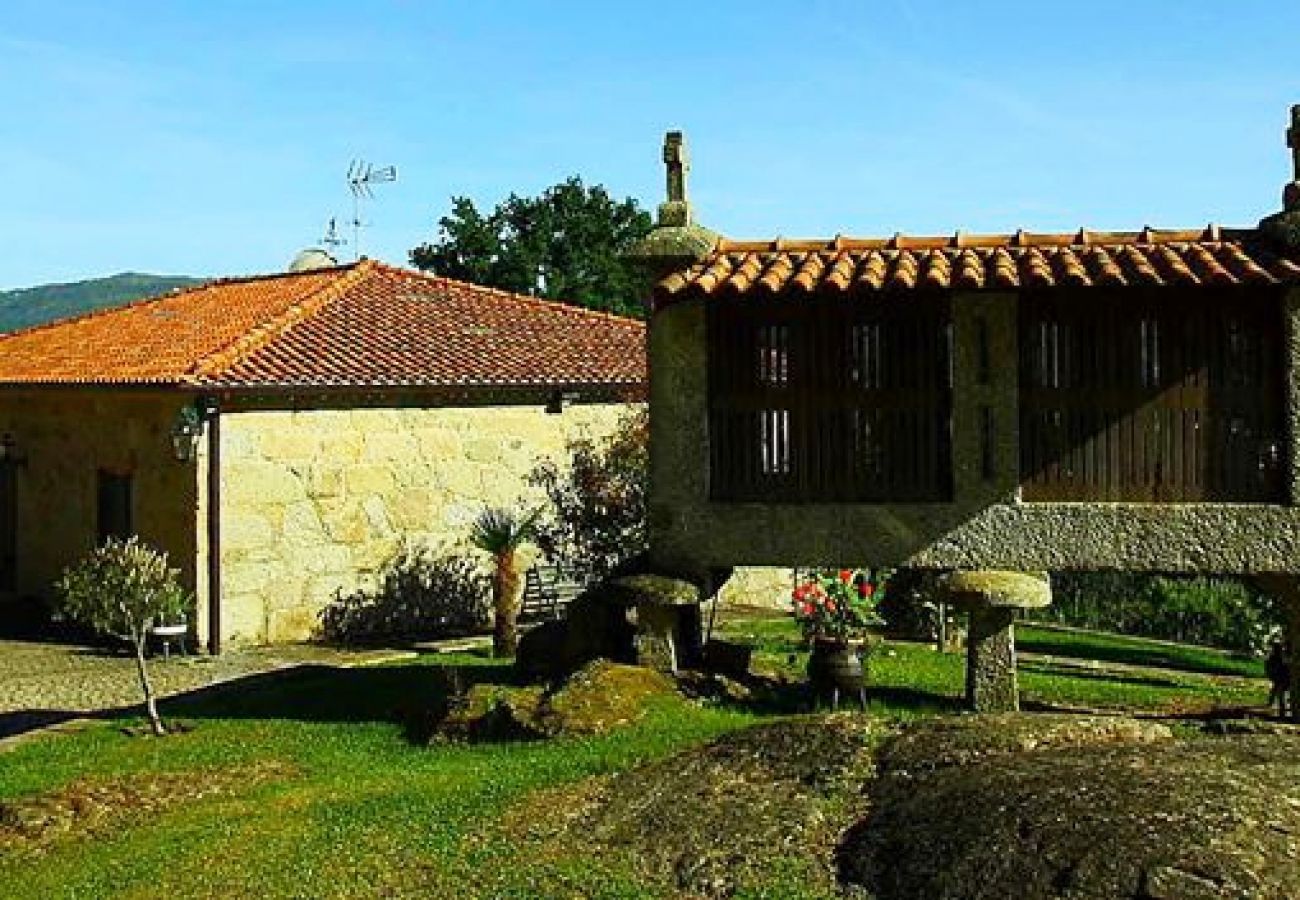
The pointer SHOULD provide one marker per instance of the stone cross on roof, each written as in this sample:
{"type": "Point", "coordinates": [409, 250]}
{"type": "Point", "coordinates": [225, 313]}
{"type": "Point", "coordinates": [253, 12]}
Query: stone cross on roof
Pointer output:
{"type": "Point", "coordinates": [1292, 141]}
{"type": "Point", "coordinates": [676, 210]}
{"type": "Point", "coordinates": [1291, 195]}
{"type": "Point", "coordinates": [679, 163]}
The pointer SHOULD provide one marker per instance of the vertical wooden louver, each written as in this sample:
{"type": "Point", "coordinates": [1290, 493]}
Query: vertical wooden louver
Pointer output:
{"type": "Point", "coordinates": [1140, 395]}
{"type": "Point", "coordinates": [830, 400]}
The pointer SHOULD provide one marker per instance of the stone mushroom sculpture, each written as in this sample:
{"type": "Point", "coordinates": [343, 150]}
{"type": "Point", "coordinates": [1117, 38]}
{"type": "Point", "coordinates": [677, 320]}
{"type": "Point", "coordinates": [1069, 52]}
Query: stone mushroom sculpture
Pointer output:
{"type": "Point", "coordinates": [992, 598]}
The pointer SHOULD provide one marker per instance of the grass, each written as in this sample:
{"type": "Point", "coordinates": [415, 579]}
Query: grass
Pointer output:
{"type": "Point", "coordinates": [357, 810]}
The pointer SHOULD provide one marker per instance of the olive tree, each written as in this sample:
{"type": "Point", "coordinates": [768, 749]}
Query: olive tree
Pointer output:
{"type": "Point", "coordinates": [124, 588]}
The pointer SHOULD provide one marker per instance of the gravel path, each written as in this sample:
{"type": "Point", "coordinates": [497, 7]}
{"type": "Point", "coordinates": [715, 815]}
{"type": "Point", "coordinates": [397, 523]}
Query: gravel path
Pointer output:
{"type": "Point", "coordinates": [44, 683]}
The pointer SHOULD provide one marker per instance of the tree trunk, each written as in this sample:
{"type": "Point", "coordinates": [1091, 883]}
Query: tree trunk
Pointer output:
{"type": "Point", "coordinates": [507, 591]}
{"type": "Point", "coordinates": [150, 704]}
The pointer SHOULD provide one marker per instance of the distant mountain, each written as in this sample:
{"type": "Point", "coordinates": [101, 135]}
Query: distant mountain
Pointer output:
{"type": "Point", "coordinates": [46, 302]}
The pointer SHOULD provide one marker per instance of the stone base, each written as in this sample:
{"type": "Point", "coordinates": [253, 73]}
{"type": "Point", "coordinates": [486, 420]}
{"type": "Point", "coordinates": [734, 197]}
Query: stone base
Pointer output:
{"type": "Point", "coordinates": [991, 684]}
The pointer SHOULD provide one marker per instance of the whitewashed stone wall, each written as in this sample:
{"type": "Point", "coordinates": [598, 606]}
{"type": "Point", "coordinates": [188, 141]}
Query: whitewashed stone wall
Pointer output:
{"type": "Point", "coordinates": [759, 586]}
{"type": "Point", "coordinates": [314, 501]}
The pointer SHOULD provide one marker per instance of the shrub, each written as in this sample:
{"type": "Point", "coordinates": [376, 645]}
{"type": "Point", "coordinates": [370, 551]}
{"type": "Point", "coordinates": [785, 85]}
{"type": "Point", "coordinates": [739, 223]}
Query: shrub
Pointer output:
{"type": "Point", "coordinates": [598, 501]}
{"type": "Point", "coordinates": [1213, 611]}
{"type": "Point", "coordinates": [421, 594]}
{"type": "Point", "coordinates": [124, 588]}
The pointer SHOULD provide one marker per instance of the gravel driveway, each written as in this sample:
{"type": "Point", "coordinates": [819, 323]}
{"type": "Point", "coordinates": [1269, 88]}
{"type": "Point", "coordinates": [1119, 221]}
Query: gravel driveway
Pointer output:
{"type": "Point", "coordinates": [44, 683]}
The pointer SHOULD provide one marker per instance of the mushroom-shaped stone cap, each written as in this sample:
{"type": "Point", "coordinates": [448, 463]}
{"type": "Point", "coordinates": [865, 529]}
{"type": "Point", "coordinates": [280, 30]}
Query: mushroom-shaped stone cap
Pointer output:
{"type": "Point", "coordinates": [996, 590]}
{"type": "Point", "coordinates": [654, 590]}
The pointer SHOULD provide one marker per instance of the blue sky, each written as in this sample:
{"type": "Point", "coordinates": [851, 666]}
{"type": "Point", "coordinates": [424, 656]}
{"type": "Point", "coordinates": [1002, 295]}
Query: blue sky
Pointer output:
{"type": "Point", "coordinates": [212, 138]}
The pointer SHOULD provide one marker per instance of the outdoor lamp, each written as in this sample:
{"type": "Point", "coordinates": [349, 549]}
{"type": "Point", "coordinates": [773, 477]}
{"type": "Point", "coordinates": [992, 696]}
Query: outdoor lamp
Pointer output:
{"type": "Point", "coordinates": [186, 432]}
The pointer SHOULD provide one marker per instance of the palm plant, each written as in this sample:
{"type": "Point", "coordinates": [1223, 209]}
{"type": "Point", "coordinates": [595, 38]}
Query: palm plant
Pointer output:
{"type": "Point", "coordinates": [502, 532]}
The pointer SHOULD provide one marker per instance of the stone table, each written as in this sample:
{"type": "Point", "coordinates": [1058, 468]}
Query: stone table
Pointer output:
{"type": "Point", "coordinates": [668, 633]}
{"type": "Point", "coordinates": [992, 598]}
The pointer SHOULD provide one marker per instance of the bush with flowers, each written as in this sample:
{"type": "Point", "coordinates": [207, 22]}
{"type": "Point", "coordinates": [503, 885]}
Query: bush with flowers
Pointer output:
{"type": "Point", "coordinates": [838, 605]}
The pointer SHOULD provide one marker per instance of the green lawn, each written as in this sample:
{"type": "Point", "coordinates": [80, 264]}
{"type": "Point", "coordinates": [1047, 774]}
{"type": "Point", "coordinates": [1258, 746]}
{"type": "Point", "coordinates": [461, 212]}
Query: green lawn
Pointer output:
{"type": "Point", "coordinates": [303, 784]}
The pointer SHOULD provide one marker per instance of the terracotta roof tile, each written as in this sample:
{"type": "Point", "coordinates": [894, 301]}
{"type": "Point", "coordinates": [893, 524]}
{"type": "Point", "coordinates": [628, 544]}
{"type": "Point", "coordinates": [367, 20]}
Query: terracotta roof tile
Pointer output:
{"type": "Point", "coordinates": [1209, 256]}
{"type": "Point", "coordinates": [367, 325]}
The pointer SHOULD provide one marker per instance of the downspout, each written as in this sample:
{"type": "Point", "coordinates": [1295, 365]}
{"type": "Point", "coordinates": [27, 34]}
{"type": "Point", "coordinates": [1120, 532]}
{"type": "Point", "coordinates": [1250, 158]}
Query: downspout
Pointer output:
{"type": "Point", "coordinates": [214, 528]}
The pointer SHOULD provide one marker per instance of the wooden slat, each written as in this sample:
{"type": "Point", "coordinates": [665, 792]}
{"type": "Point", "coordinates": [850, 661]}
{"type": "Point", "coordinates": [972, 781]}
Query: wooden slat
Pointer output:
{"type": "Point", "coordinates": [1159, 397]}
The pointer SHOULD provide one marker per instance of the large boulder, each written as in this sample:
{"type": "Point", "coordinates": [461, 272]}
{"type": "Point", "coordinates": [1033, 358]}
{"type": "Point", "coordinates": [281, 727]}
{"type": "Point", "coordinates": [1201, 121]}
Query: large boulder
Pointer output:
{"type": "Point", "coordinates": [1052, 806]}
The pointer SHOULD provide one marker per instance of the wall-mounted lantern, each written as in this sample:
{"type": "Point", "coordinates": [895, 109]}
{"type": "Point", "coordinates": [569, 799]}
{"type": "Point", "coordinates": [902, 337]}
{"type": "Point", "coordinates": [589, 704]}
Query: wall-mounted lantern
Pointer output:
{"type": "Point", "coordinates": [186, 431]}
{"type": "Point", "coordinates": [10, 454]}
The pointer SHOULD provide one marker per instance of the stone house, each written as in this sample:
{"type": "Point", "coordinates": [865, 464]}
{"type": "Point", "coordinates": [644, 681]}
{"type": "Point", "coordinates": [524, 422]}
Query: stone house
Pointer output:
{"type": "Point", "coordinates": [1009, 402]}
{"type": "Point", "coordinates": [279, 435]}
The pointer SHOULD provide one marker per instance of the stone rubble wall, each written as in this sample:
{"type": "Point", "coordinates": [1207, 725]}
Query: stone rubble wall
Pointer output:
{"type": "Point", "coordinates": [315, 501]}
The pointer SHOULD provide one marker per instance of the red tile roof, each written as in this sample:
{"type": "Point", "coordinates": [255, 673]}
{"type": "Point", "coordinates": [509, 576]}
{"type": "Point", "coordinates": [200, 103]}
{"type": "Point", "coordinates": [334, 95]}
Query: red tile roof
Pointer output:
{"type": "Point", "coordinates": [1211, 256]}
{"type": "Point", "coordinates": [365, 325]}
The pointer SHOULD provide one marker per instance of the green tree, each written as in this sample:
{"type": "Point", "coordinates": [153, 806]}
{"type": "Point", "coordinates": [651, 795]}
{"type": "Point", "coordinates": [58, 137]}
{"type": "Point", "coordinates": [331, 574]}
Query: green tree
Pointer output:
{"type": "Point", "coordinates": [502, 532]}
{"type": "Point", "coordinates": [597, 518]}
{"type": "Point", "coordinates": [124, 588]}
{"type": "Point", "coordinates": [566, 244]}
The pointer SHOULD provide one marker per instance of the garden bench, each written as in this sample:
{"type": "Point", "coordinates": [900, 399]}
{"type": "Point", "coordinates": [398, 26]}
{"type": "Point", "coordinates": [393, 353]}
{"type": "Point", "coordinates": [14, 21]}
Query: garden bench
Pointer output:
{"type": "Point", "coordinates": [548, 591]}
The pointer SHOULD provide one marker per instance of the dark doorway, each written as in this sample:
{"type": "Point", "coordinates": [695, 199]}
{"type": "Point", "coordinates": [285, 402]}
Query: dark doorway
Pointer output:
{"type": "Point", "coordinates": [8, 527]}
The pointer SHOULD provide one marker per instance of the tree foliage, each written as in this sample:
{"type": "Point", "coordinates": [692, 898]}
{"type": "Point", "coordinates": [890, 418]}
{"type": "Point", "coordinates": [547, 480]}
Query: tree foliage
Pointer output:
{"type": "Point", "coordinates": [125, 588]}
{"type": "Point", "coordinates": [566, 244]}
{"type": "Point", "coordinates": [598, 500]}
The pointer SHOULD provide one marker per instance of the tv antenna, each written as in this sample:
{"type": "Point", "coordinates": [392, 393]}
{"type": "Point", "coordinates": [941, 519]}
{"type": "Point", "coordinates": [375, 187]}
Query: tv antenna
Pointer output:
{"type": "Point", "coordinates": [362, 177]}
{"type": "Point", "coordinates": [332, 240]}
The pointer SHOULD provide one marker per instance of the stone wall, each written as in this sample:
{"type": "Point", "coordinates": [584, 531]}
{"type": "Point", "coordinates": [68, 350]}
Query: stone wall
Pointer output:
{"type": "Point", "coordinates": [66, 437]}
{"type": "Point", "coordinates": [986, 526]}
{"type": "Point", "coordinates": [314, 501]}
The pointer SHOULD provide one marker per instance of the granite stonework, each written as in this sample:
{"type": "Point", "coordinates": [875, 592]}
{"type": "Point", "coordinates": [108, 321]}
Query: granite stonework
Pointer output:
{"type": "Point", "coordinates": [992, 600]}
{"type": "Point", "coordinates": [314, 501]}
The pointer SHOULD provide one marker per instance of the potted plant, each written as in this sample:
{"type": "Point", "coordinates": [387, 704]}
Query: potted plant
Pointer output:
{"type": "Point", "coordinates": [833, 610]}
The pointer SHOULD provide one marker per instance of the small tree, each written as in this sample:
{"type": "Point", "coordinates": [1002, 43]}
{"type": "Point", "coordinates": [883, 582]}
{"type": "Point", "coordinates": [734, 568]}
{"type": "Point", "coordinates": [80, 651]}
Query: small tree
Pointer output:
{"type": "Point", "coordinates": [124, 588]}
{"type": "Point", "coordinates": [502, 532]}
{"type": "Point", "coordinates": [598, 500]}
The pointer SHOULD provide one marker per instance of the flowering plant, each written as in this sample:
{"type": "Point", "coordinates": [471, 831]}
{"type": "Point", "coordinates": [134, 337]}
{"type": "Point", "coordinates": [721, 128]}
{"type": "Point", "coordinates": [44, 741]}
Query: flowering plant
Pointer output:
{"type": "Point", "coordinates": [838, 604]}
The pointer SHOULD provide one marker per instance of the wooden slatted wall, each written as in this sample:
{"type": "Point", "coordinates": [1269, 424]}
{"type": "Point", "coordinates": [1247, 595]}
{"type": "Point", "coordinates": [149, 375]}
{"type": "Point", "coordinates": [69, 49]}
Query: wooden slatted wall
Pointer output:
{"type": "Point", "coordinates": [1151, 396]}
{"type": "Point", "coordinates": [830, 400]}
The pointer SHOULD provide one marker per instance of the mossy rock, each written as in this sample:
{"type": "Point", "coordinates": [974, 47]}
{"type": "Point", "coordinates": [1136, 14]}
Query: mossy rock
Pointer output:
{"type": "Point", "coordinates": [1032, 807]}
{"type": "Point", "coordinates": [597, 698]}
{"type": "Point", "coordinates": [995, 589]}
{"type": "Point", "coordinates": [602, 696]}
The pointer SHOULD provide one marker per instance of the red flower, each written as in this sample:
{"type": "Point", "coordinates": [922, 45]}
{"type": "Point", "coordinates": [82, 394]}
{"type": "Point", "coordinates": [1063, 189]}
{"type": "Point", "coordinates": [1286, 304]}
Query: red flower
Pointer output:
{"type": "Point", "coordinates": [866, 589]}
{"type": "Point", "coordinates": [830, 605]}
{"type": "Point", "coordinates": [846, 575]}
{"type": "Point", "coordinates": [806, 608]}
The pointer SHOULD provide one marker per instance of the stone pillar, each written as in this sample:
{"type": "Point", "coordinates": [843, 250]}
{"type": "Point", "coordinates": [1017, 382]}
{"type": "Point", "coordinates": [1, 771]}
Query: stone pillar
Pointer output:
{"type": "Point", "coordinates": [991, 684]}
{"type": "Point", "coordinates": [992, 599]}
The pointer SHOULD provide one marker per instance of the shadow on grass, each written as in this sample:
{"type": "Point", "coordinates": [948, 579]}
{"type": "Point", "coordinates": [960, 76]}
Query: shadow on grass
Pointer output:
{"type": "Point", "coordinates": [320, 693]}
{"type": "Point", "coordinates": [1133, 680]}
{"type": "Point", "coordinates": [1153, 656]}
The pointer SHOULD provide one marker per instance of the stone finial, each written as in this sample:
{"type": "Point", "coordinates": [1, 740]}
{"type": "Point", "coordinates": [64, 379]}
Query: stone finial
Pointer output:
{"type": "Point", "coordinates": [1291, 193]}
{"type": "Point", "coordinates": [676, 211]}
{"type": "Point", "coordinates": [1283, 228]}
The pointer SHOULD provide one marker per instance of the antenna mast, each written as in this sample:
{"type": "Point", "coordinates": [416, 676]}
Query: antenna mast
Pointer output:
{"type": "Point", "coordinates": [362, 177]}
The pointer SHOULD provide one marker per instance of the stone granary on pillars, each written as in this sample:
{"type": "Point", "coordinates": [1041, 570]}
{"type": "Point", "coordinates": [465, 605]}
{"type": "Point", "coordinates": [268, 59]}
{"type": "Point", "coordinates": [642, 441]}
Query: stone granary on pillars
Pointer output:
{"type": "Point", "coordinates": [280, 435]}
{"type": "Point", "coordinates": [979, 403]}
